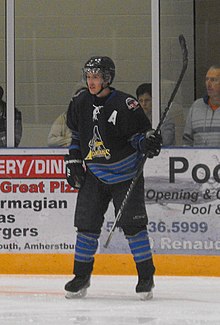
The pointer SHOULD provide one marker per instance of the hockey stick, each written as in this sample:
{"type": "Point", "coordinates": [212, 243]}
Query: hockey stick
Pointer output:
{"type": "Point", "coordinates": [145, 156]}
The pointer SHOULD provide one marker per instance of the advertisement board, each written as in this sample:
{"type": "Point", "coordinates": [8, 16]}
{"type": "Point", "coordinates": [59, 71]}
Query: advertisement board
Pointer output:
{"type": "Point", "coordinates": [182, 195]}
{"type": "Point", "coordinates": [37, 205]}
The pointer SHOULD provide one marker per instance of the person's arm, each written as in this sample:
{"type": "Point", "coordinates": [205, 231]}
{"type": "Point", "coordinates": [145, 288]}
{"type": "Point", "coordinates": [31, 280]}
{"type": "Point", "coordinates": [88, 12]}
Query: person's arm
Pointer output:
{"type": "Point", "coordinates": [18, 127]}
{"type": "Point", "coordinates": [2, 124]}
{"type": "Point", "coordinates": [188, 131]}
{"type": "Point", "coordinates": [168, 132]}
{"type": "Point", "coordinates": [59, 135]}
{"type": "Point", "coordinates": [75, 171]}
{"type": "Point", "coordinates": [143, 139]}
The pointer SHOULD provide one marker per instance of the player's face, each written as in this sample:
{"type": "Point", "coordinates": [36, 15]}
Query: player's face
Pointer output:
{"type": "Point", "coordinates": [95, 82]}
{"type": "Point", "coordinates": [212, 81]}
{"type": "Point", "coordinates": [145, 101]}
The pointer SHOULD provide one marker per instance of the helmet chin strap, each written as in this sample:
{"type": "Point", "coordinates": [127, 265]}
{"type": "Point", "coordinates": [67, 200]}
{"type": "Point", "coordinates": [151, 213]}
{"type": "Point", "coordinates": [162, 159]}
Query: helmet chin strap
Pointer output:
{"type": "Point", "coordinates": [102, 88]}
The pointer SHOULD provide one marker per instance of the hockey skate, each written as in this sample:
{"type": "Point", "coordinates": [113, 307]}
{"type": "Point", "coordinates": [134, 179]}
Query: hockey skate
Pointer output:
{"type": "Point", "coordinates": [144, 288]}
{"type": "Point", "coordinates": [77, 287]}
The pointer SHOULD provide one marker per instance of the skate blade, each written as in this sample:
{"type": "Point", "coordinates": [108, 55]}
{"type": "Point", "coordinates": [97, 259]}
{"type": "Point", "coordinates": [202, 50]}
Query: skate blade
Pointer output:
{"type": "Point", "coordinates": [76, 295]}
{"type": "Point", "coordinates": [145, 295]}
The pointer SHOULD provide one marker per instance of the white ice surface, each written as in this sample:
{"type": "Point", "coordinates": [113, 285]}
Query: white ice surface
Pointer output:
{"type": "Point", "coordinates": [111, 300]}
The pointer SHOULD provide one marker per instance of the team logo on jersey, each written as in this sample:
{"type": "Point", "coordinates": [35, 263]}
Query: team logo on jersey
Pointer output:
{"type": "Point", "coordinates": [95, 113]}
{"type": "Point", "coordinates": [97, 147]}
{"type": "Point", "coordinates": [132, 103]}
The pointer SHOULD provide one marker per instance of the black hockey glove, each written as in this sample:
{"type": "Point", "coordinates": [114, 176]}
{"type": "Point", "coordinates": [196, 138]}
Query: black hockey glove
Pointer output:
{"type": "Point", "coordinates": [151, 144]}
{"type": "Point", "coordinates": [75, 172]}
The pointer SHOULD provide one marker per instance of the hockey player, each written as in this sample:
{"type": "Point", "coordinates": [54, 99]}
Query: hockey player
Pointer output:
{"type": "Point", "coordinates": [108, 141]}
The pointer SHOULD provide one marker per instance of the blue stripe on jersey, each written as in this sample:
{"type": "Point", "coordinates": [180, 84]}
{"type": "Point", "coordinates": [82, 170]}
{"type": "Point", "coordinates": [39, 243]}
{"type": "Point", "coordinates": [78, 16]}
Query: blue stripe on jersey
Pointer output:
{"type": "Point", "coordinates": [74, 146]}
{"type": "Point", "coordinates": [117, 172]}
{"type": "Point", "coordinates": [136, 139]}
{"type": "Point", "coordinates": [86, 246]}
{"type": "Point", "coordinates": [75, 135]}
{"type": "Point", "coordinates": [140, 246]}
{"type": "Point", "coordinates": [208, 129]}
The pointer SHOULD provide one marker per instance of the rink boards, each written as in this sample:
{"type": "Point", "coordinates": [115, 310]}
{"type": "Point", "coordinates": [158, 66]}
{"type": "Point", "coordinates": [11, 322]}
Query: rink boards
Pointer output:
{"type": "Point", "coordinates": [109, 264]}
{"type": "Point", "coordinates": [182, 196]}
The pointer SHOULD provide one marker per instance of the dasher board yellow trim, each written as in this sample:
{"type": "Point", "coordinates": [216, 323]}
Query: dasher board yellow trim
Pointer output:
{"type": "Point", "coordinates": [109, 264]}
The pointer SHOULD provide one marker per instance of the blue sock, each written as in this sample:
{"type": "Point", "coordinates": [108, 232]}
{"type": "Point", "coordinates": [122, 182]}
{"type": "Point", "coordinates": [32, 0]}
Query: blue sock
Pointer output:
{"type": "Point", "coordinates": [86, 246]}
{"type": "Point", "coordinates": [140, 246]}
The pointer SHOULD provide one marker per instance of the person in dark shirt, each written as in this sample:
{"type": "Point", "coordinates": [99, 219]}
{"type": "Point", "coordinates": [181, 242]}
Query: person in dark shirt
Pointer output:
{"type": "Point", "coordinates": [110, 134]}
{"type": "Point", "coordinates": [144, 96]}
{"type": "Point", "coordinates": [3, 123]}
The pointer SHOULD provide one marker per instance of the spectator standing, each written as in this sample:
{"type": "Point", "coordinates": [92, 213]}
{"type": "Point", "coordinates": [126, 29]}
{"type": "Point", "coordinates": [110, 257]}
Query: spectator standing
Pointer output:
{"type": "Point", "coordinates": [60, 135]}
{"type": "Point", "coordinates": [144, 96]}
{"type": "Point", "coordinates": [202, 126]}
{"type": "Point", "coordinates": [3, 123]}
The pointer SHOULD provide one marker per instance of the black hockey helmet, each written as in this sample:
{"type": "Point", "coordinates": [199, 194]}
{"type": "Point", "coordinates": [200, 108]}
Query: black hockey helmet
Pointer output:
{"type": "Point", "coordinates": [100, 64]}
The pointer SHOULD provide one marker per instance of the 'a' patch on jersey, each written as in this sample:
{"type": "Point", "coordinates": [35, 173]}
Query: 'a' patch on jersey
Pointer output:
{"type": "Point", "coordinates": [132, 103]}
{"type": "Point", "coordinates": [112, 118]}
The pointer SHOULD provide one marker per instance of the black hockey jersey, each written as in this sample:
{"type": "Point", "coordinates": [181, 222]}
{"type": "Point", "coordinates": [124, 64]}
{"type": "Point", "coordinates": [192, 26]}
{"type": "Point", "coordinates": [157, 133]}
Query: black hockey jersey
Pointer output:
{"type": "Point", "coordinates": [106, 131]}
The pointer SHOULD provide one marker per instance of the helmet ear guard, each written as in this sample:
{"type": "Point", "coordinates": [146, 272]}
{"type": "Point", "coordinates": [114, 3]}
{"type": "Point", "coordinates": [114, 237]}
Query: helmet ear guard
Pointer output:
{"type": "Point", "coordinates": [100, 64]}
